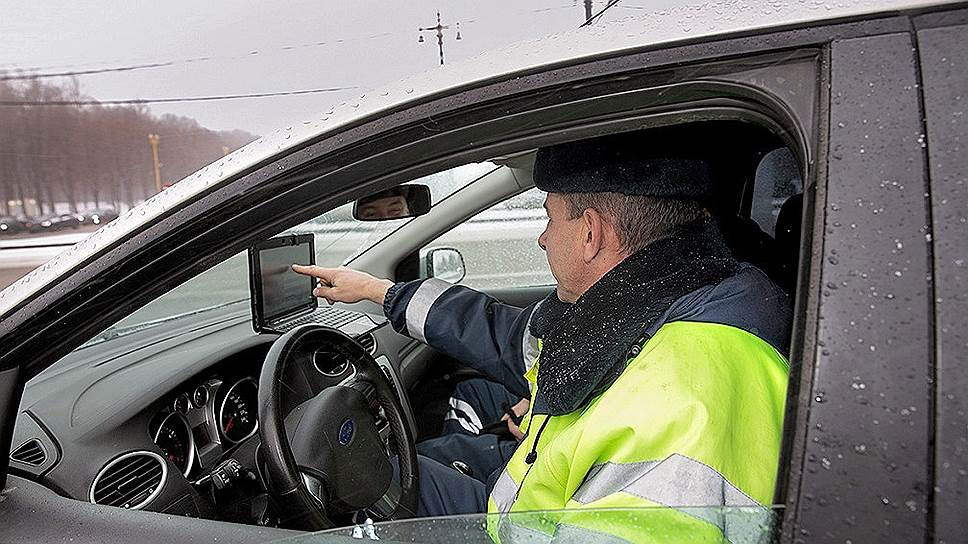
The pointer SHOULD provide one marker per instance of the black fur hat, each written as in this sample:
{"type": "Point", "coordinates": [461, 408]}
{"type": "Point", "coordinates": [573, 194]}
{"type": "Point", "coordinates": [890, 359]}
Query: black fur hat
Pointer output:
{"type": "Point", "coordinates": [665, 162]}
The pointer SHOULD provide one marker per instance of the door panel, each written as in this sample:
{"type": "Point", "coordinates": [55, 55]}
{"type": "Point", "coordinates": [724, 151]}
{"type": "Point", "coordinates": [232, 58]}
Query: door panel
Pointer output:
{"type": "Point", "coordinates": [866, 462]}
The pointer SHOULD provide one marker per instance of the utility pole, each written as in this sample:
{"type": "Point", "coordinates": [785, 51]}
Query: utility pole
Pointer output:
{"type": "Point", "coordinates": [440, 35]}
{"type": "Point", "coordinates": [153, 140]}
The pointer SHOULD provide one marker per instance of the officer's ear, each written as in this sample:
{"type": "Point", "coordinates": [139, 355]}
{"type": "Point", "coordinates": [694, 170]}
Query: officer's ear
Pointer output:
{"type": "Point", "coordinates": [593, 234]}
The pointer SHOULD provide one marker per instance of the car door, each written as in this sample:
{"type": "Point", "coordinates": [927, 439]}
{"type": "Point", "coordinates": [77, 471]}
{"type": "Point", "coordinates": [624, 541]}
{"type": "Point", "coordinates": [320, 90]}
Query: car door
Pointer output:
{"type": "Point", "coordinates": [777, 90]}
{"type": "Point", "coordinates": [867, 426]}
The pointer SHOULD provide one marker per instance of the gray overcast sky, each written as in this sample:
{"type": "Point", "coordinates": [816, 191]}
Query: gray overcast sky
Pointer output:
{"type": "Point", "coordinates": [260, 46]}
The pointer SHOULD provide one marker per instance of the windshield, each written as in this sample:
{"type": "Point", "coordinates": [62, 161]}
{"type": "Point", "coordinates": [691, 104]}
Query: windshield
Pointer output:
{"type": "Point", "coordinates": [338, 239]}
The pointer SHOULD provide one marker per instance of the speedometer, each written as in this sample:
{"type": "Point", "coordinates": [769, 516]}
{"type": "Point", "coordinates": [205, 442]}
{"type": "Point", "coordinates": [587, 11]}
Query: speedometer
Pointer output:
{"type": "Point", "coordinates": [237, 417]}
{"type": "Point", "coordinates": [174, 437]}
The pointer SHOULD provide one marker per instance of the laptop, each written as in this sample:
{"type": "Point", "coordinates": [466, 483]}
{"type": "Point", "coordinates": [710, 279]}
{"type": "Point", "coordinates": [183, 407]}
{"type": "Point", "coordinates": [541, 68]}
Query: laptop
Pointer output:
{"type": "Point", "coordinates": [282, 299]}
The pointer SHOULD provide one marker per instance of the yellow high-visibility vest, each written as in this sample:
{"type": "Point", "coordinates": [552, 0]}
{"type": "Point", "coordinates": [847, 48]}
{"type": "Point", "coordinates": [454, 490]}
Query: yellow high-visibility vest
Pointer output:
{"type": "Point", "coordinates": [688, 438]}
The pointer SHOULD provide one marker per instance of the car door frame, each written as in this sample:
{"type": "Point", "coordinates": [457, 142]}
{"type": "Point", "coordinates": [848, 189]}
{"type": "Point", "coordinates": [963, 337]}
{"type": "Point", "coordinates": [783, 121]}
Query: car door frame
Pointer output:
{"type": "Point", "coordinates": [443, 131]}
{"type": "Point", "coordinates": [940, 39]}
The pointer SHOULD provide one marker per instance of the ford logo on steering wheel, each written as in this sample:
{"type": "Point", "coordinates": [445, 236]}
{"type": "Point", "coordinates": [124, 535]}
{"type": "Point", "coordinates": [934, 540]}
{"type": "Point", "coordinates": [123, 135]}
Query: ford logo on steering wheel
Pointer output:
{"type": "Point", "coordinates": [346, 432]}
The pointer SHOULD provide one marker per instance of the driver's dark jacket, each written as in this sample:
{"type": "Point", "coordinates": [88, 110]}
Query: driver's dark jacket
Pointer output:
{"type": "Point", "coordinates": [494, 338]}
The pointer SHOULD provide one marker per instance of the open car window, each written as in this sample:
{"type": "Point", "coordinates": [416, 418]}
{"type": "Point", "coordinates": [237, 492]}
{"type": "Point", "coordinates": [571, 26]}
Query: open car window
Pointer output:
{"type": "Point", "coordinates": [499, 245]}
{"type": "Point", "coordinates": [339, 238]}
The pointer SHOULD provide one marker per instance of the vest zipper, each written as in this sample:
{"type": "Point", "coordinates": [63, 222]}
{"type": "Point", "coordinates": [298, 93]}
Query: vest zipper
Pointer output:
{"type": "Point", "coordinates": [530, 459]}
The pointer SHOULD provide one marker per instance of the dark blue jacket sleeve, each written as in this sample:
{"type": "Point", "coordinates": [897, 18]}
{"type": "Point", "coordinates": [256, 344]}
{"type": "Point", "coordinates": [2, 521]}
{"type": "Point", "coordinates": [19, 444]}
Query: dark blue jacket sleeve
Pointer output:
{"type": "Point", "coordinates": [474, 328]}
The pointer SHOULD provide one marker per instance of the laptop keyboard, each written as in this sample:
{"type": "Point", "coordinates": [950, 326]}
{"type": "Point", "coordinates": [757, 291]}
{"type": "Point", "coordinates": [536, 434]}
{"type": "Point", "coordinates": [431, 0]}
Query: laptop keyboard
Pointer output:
{"type": "Point", "coordinates": [330, 317]}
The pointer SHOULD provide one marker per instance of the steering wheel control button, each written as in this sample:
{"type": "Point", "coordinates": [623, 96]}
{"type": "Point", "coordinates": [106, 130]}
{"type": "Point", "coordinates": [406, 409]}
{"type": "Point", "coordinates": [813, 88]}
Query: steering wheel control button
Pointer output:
{"type": "Point", "coordinates": [346, 432]}
{"type": "Point", "coordinates": [228, 472]}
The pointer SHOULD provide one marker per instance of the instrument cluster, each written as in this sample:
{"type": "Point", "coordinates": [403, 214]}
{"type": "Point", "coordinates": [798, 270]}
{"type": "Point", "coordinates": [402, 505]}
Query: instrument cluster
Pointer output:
{"type": "Point", "coordinates": [198, 425]}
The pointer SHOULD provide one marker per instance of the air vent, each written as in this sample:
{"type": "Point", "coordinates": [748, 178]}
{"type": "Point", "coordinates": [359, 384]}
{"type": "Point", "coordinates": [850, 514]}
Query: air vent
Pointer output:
{"type": "Point", "coordinates": [130, 481]}
{"type": "Point", "coordinates": [31, 453]}
{"type": "Point", "coordinates": [367, 341]}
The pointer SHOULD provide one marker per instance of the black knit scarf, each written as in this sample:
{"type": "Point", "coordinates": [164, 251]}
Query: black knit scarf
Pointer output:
{"type": "Point", "coordinates": [586, 345]}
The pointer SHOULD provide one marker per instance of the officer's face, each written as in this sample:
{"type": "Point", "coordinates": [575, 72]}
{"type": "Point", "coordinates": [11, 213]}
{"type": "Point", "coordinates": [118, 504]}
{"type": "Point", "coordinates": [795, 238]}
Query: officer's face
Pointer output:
{"type": "Point", "coordinates": [562, 242]}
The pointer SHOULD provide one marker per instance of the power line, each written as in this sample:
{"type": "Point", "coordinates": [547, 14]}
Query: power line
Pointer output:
{"type": "Point", "coordinates": [135, 101]}
{"type": "Point", "coordinates": [86, 72]}
{"type": "Point", "coordinates": [58, 71]}
{"type": "Point", "coordinates": [68, 70]}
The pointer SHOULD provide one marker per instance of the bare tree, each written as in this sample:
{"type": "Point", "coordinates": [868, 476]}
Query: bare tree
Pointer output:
{"type": "Point", "coordinates": [76, 156]}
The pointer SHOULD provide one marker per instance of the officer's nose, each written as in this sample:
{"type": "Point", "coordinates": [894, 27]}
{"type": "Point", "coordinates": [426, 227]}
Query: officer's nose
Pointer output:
{"type": "Point", "coordinates": [542, 239]}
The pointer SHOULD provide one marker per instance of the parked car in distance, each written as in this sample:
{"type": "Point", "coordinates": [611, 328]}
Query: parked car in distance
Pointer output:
{"type": "Point", "coordinates": [55, 221]}
{"type": "Point", "coordinates": [97, 216]}
{"type": "Point", "coordinates": [11, 225]}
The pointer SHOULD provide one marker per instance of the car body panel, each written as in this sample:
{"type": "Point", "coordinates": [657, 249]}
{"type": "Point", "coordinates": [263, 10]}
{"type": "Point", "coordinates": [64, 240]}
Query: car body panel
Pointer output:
{"type": "Point", "coordinates": [944, 63]}
{"type": "Point", "coordinates": [868, 421]}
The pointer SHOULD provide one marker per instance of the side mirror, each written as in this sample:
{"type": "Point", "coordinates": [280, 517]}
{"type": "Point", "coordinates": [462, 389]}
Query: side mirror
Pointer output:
{"type": "Point", "coordinates": [394, 203]}
{"type": "Point", "coordinates": [445, 263]}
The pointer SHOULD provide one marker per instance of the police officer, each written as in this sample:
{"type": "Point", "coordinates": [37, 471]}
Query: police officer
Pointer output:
{"type": "Point", "coordinates": [663, 382]}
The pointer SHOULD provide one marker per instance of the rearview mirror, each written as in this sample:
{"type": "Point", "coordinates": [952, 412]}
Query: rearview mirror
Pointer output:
{"type": "Point", "coordinates": [394, 203]}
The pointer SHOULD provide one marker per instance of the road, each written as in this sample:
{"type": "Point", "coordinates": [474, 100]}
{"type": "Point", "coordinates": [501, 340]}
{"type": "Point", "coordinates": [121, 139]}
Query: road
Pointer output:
{"type": "Point", "coordinates": [21, 253]}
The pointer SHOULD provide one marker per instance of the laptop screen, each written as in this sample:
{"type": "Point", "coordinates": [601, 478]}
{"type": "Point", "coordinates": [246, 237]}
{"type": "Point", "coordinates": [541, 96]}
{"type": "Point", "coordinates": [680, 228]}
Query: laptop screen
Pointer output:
{"type": "Point", "coordinates": [278, 290]}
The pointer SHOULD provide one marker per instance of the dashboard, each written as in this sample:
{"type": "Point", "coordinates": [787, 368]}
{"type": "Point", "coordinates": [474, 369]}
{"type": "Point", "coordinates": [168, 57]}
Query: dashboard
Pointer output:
{"type": "Point", "coordinates": [174, 409]}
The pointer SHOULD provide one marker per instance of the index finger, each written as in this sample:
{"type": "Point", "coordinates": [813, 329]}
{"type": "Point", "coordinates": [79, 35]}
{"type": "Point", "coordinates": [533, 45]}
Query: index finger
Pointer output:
{"type": "Point", "coordinates": [313, 270]}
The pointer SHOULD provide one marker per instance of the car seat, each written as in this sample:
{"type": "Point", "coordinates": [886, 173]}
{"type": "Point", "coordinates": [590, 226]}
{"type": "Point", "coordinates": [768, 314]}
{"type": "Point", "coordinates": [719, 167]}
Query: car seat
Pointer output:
{"type": "Point", "coordinates": [789, 223]}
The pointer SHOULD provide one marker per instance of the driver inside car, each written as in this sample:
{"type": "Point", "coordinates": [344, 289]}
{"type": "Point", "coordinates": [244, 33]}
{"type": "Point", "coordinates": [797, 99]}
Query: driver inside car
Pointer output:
{"type": "Point", "coordinates": [656, 368]}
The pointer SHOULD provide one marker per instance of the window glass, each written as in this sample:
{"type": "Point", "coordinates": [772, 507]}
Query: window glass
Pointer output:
{"type": "Point", "coordinates": [587, 525]}
{"type": "Point", "coordinates": [500, 244]}
{"type": "Point", "coordinates": [777, 179]}
{"type": "Point", "coordinates": [339, 238]}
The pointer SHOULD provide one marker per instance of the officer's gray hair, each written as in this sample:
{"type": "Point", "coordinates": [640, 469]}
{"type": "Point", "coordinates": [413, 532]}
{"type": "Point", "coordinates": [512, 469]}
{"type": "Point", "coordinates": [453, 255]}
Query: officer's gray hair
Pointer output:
{"type": "Point", "coordinates": [637, 220]}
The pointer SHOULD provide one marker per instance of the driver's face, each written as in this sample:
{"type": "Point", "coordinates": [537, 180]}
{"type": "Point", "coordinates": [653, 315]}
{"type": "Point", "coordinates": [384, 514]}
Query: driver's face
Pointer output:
{"type": "Point", "coordinates": [562, 243]}
{"type": "Point", "coordinates": [390, 207]}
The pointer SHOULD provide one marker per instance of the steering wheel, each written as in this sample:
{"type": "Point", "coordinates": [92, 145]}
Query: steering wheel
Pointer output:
{"type": "Point", "coordinates": [326, 458]}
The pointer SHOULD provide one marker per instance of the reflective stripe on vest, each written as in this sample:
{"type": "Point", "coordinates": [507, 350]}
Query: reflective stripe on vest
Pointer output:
{"type": "Point", "coordinates": [504, 491]}
{"type": "Point", "coordinates": [675, 481]}
{"type": "Point", "coordinates": [510, 532]}
{"type": "Point", "coordinates": [685, 485]}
